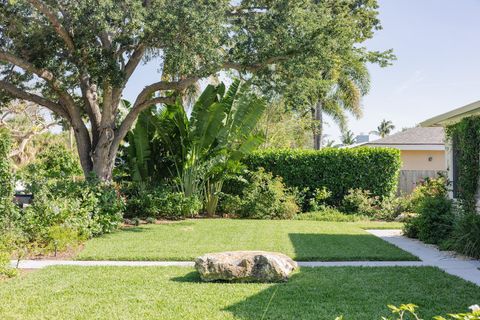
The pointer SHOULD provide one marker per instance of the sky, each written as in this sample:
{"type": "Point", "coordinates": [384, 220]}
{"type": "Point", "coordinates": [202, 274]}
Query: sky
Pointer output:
{"type": "Point", "coordinates": [437, 44]}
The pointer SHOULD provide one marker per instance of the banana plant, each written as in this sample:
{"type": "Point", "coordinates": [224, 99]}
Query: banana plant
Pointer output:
{"type": "Point", "coordinates": [212, 141]}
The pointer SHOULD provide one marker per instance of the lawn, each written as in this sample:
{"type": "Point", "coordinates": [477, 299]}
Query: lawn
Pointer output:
{"type": "Point", "coordinates": [301, 240]}
{"type": "Point", "coordinates": [176, 293]}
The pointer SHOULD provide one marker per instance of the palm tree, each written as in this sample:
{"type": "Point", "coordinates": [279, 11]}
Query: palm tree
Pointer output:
{"type": "Point", "coordinates": [384, 129]}
{"type": "Point", "coordinates": [348, 138]}
{"type": "Point", "coordinates": [348, 83]}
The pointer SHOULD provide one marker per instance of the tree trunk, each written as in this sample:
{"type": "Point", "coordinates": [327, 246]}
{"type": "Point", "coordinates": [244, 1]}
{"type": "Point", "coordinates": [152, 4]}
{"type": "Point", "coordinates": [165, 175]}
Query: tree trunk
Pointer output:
{"type": "Point", "coordinates": [317, 115]}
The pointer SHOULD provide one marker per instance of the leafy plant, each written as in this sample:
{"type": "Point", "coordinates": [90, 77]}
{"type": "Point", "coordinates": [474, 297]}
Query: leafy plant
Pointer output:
{"type": "Point", "coordinates": [200, 149]}
{"type": "Point", "coordinates": [465, 136]}
{"type": "Point", "coordinates": [162, 203]}
{"type": "Point", "coordinates": [359, 201]}
{"type": "Point", "coordinates": [465, 237]}
{"type": "Point", "coordinates": [265, 197]}
{"type": "Point", "coordinates": [52, 163]}
{"type": "Point", "coordinates": [332, 215]}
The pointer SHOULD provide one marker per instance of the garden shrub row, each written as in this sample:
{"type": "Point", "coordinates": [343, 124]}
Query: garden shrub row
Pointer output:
{"type": "Point", "coordinates": [337, 170]}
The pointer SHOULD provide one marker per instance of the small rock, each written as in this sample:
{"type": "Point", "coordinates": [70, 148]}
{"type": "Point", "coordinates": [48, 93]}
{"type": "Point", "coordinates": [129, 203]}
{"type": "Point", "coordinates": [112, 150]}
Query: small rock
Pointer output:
{"type": "Point", "coordinates": [245, 266]}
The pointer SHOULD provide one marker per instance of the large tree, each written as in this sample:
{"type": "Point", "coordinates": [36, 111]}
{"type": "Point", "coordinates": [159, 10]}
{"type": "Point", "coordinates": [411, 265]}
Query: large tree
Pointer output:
{"type": "Point", "coordinates": [76, 57]}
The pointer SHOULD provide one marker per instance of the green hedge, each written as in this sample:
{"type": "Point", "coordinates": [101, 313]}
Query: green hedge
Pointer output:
{"type": "Point", "coordinates": [373, 169]}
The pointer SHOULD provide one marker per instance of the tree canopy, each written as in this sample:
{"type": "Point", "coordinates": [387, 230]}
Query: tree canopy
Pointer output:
{"type": "Point", "coordinates": [76, 57]}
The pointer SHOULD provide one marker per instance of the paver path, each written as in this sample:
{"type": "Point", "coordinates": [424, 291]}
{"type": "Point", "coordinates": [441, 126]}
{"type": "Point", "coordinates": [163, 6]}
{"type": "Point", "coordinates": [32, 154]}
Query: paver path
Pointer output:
{"type": "Point", "coordinates": [460, 266]}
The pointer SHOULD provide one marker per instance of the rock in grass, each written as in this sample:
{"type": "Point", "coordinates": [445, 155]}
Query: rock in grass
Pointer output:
{"type": "Point", "coordinates": [245, 266]}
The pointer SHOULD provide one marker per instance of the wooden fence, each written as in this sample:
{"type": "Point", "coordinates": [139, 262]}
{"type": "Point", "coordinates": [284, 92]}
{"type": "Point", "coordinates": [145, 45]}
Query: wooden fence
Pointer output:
{"type": "Point", "coordinates": [408, 179]}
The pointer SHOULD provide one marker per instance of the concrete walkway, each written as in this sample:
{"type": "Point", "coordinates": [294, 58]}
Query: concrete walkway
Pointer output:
{"type": "Point", "coordinates": [449, 262]}
{"type": "Point", "coordinates": [38, 264]}
{"type": "Point", "coordinates": [460, 266]}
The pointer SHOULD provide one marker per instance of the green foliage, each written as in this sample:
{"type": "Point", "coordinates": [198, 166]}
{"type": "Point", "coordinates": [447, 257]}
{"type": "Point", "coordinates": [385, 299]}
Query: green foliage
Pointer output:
{"type": "Point", "coordinates": [332, 215]}
{"type": "Point", "coordinates": [264, 197]}
{"type": "Point", "coordinates": [338, 170]}
{"type": "Point", "coordinates": [162, 203]}
{"type": "Point", "coordinates": [434, 218]}
{"type": "Point", "coordinates": [358, 201]}
{"type": "Point", "coordinates": [64, 214]}
{"type": "Point", "coordinates": [465, 237]}
{"type": "Point", "coordinates": [465, 136]}
{"type": "Point", "coordinates": [55, 162]}
{"type": "Point", "coordinates": [6, 175]}
{"type": "Point", "coordinates": [202, 149]}
{"type": "Point", "coordinates": [395, 208]}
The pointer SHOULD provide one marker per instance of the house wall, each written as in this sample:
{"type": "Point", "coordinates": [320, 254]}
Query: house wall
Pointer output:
{"type": "Point", "coordinates": [423, 160]}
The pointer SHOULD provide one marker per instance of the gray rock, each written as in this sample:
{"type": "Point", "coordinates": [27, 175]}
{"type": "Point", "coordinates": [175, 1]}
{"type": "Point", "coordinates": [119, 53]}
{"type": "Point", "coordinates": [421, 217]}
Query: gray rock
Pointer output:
{"type": "Point", "coordinates": [245, 266]}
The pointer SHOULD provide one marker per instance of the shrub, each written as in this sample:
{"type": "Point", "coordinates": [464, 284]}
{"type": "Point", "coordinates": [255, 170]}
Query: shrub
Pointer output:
{"type": "Point", "coordinates": [466, 234]}
{"type": "Point", "coordinates": [434, 222]}
{"type": "Point", "coordinates": [267, 198]}
{"type": "Point", "coordinates": [54, 163]}
{"type": "Point", "coordinates": [428, 188]}
{"type": "Point", "coordinates": [162, 203]}
{"type": "Point", "coordinates": [338, 170]}
{"type": "Point", "coordinates": [332, 215]}
{"type": "Point", "coordinates": [393, 208]}
{"type": "Point", "coordinates": [229, 204]}
{"type": "Point", "coordinates": [359, 201]}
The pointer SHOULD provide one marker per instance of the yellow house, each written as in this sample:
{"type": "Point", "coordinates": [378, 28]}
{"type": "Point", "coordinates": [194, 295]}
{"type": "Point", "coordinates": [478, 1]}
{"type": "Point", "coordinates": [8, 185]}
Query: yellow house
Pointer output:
{"type": "Point", "coordinates": [422, 151]}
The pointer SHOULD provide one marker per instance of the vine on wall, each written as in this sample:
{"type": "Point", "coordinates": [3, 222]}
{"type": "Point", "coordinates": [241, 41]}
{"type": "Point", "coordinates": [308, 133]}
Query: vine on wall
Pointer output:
{"type": "Point", "coordinates": [466, 138]}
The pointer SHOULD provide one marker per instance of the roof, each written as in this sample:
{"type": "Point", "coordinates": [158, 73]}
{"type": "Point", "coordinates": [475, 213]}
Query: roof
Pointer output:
{"type": "Point", "coordinates": [418, 138]}
{"type": "Point", "coordinates": [453, 116]}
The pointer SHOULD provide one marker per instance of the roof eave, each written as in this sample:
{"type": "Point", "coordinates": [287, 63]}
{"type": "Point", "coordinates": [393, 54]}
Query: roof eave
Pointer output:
{"type": "Point", "coordinates": [453, 116]}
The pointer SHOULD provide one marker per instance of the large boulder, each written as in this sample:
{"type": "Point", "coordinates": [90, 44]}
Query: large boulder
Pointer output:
{"type": "Point", "coordinates": [245, 266]}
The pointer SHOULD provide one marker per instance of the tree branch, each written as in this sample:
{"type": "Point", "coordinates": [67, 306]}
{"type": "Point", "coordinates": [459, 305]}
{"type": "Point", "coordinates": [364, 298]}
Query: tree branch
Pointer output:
{"type": "Point", "coordinates": [21, 94]}
{"type": "Point", "coordinates": [50, 15]}
{"type": "Point", "coordinates": [130, 119]}
{"type": "Point", "coordinates": [41, 73]}
{"type": "Point", "coordinates": [256, 66]}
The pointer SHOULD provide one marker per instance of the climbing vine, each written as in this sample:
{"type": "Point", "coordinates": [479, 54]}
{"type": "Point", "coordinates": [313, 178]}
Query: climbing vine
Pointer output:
{"type": "Point", "coordinates": [465, 136]}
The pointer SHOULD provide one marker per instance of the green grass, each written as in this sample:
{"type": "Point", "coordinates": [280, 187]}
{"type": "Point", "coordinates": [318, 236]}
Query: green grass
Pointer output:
{"type": "Point", "coordinates": [301, 240]}
{"type": "Point", "coordinates": [176, 293]}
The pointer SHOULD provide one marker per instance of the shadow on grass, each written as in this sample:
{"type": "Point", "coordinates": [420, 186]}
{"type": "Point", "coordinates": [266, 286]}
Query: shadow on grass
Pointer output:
{"type": "Point", "coordinates": [191, 277]}
{"type": "Point", "coordinates": [344, 247]}
{"type": "Point", "coordinates": [357, 293]}
{"type": "Point", "coordinates": [133, 229]}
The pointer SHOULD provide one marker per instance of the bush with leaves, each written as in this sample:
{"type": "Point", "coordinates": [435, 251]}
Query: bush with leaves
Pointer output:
{"type": "Point", "coordinates": [434, 219]}
{"type": "Point", "coordinates": [159, 203]}
{"type": "Point", "coordinates": [54, 163]}
{"type": "Point", "coordinates": [358, 201]}
{"type": "Point", "coordinates": [332, 215]}
{"type": "Point", "coordinates": [465, 237]}
{"type": "Point", "coordinates": [264, 197]}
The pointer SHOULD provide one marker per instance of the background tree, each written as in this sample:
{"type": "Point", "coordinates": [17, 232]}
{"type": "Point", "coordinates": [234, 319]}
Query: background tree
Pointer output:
{"type": "Point", "coordinates": [384, 129]}
{"type": "Point", "coordinates": [76, 57]}
{"type": "Point", "coordinates": [348, 138]}
{"type": "Point", "coordinates": [25, 121]}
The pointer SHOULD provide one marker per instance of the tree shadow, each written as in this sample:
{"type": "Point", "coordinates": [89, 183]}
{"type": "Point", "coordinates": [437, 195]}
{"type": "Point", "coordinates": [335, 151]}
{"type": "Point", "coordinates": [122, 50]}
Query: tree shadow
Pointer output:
{"type": "Point", "coordinates": [345, 247]}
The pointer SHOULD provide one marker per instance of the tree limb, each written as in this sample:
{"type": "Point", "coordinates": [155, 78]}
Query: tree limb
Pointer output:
{"type": "Point", "coordinates": [50, 15]}
{"type": "Point", "coordinates": [41, 73]}
{"type": "Point", "coordinates": [21, 94]}
{"type": "Point", "coordinates": [130, 119]}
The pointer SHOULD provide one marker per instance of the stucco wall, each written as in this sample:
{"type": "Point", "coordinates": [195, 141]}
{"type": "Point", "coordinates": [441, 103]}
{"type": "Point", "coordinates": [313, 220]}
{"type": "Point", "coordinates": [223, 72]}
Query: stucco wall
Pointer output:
{"type": "Point", "coordinates": [423, 160]}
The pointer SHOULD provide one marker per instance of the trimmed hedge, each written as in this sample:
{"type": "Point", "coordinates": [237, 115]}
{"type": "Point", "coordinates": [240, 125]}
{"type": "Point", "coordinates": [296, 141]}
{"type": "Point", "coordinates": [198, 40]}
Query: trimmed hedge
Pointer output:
{"type": "Point", "coordinates": [373, 169]}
